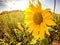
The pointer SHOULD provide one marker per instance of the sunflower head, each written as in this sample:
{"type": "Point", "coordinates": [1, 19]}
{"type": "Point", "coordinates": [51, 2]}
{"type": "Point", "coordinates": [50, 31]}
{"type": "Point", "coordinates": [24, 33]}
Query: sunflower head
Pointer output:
{"type": "Point", "coordinates": [36, 19]}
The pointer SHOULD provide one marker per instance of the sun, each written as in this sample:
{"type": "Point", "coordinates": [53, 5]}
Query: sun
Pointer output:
{"type": "Point", "coordinates": [37, 20]}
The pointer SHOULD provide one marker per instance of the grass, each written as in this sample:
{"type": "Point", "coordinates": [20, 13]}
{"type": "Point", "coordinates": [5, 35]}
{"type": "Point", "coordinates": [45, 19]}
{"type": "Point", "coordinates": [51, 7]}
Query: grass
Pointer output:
{"type": "Point", "coordinates": [8, 21]}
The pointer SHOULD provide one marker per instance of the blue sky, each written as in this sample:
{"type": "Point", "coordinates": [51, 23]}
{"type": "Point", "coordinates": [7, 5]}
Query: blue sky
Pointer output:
{"type": "Point", "coordinates": [22, 4]}
{"type": "Point", "coordinates": [50, 4]}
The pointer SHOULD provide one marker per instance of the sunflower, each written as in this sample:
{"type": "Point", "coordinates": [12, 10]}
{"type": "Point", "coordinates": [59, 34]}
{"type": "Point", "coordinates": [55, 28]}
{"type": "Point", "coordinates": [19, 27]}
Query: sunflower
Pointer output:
{"type": "Point", "coordinates": [37, 20]}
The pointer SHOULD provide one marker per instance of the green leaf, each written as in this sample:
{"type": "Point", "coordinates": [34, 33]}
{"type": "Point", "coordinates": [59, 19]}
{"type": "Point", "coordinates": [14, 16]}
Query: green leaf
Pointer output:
{"type": "Point", "coordinates": [5, 44]}
{"type": "Point", "coordinates": [44, 41]}
{"type": "Point", "coordinates": [34, 41]}
{"type": "Point", "coordinates": [19, 43]}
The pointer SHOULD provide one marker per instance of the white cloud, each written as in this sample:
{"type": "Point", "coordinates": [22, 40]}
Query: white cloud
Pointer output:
{"type": "Point", "coordinates": [16, 5]}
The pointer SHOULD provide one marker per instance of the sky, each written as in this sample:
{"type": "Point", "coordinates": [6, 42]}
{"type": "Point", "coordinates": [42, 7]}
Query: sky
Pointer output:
{"type": "Point", "coordinates": [23, 4]}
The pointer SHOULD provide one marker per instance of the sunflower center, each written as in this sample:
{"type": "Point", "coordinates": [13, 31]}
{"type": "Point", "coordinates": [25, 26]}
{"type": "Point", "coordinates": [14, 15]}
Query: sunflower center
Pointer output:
{"type": "Point", "coordinates": [37, 18]}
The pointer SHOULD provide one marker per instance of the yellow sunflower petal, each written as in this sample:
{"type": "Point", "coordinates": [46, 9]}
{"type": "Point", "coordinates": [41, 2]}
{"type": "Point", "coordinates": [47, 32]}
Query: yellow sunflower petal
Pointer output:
{"type": "Point", "coordinates": [28, 17]}
{"type": "Point", "coordinates": [28, 23]}
{"type": "Point", "coordinates": [50, 22]}
{"type": "Point", "coordinates": [31, 27]}
{"type": "Point", "coordinates": [46, 13]}
{"type": "Point", "coordinates": [35, 32]}
{"type": "Point", "coordinates": [42, 31]}
{"type": "Point", "coordinates": [46, 10]}
{"type": "Point", "coordinates": [46, 30]}
{"type": "Point", "coordinates": [42, 35]}
{"type": "Point", "coordinates": [28, 11]}
{"type": "Point", "coordinates": [32, 7]}
{"type": "Point", "coordinates": [39, 7]}
{"type": "Point", "coordinates": [39, 4]}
